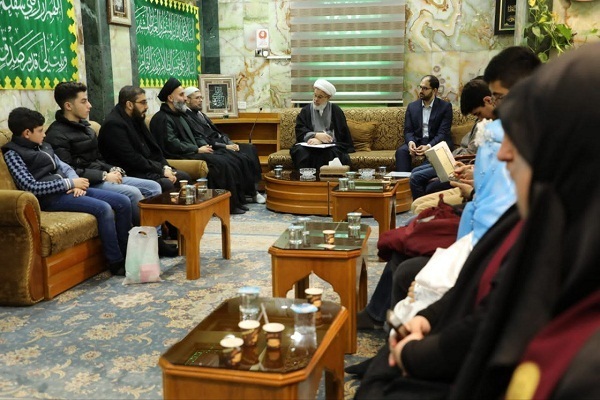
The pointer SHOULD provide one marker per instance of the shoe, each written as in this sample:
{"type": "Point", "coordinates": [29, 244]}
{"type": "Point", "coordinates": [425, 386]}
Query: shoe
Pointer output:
{"type": "Point", "coordinates": [364, 322]}
{"type": "Point", "coordinates": [243, 207]}
{"type": "Point", "coordinates": [166, 249]}
{"type": "Point", "coordinates": [359, 370]}
{"type": "Point", "coordinates": [259, 198]}
{"type": "Point", "coordinates": [169, 231]}
{"type": "Point", "coordinates": [117, 268]}
{"type": "Point", "coordinates": [237, 211]}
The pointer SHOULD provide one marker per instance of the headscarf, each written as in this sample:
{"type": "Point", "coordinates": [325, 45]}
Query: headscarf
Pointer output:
{"type": "Point", "coordinates": [553, 120]}
{"type": "Point", "coordinates": [494, 189]}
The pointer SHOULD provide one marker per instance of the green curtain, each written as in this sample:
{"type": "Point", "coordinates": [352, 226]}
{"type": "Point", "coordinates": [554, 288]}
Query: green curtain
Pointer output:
{"type": "Point", "coordinates": [38, 44]}
{"type": "Point", "coordinates": [168, 38]}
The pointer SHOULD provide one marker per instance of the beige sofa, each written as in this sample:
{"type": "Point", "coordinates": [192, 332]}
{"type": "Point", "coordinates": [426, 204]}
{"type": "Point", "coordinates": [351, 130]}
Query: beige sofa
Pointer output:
{"type": "Point", "coordinates": [47, 253]}
{"type": "Point", "coordinates": [381, 130]}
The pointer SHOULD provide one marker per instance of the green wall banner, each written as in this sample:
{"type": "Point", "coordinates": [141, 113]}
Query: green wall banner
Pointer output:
{"type": "Point", "coordinates": [38, 43]}
{"type": "Point", "coordinates": [168, 38]}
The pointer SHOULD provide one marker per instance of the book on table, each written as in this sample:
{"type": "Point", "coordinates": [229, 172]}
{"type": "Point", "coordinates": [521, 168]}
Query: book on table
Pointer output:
{"type": "Point", "coordinates": [442, 160]}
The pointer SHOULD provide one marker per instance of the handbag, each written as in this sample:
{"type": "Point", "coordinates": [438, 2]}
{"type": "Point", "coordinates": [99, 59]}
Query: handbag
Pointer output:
{"type": "Point", "coordinates": [432, 228]}
{"type": "Point", "coordinates": [142, 262]}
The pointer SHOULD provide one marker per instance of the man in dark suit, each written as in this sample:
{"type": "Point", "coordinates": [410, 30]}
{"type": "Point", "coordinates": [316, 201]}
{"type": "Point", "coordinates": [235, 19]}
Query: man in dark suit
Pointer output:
{"type": "Point", "coordinates": [427, 122]}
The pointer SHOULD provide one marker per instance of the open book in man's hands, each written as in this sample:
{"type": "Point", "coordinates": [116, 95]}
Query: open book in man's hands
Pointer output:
{"type": "Point", "coordinates": [442, 160]}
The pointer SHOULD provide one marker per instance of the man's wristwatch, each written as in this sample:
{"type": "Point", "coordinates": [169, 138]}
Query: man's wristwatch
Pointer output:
{"type": "Point", "coordinates": [104, 174]}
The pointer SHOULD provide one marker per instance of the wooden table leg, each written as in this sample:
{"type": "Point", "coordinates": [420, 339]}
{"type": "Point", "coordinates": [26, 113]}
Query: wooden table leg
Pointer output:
{"type": "Point", "coordinates": [392, 212]}
{"type": "Point", "coordinates": [334, 369]}
{"type": "Point", "coordinates": [362, 283]}
{"type": "Point", "coordinates": [192, 236]}
{"type": "Point", "coordinates": [222, 212]}
{"type": "Point", "coordinates": [301, 286]}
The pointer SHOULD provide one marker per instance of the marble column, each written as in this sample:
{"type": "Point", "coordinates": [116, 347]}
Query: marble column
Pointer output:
{"type": "Point", "coordinates": [98, 60]}
{"type": "Point", "coordinates": [209, 36]}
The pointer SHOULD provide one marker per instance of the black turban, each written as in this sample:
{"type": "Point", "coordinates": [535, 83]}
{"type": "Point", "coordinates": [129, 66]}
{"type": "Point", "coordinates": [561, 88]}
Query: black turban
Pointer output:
{"type": "Point", "coordinates": [168, 88]}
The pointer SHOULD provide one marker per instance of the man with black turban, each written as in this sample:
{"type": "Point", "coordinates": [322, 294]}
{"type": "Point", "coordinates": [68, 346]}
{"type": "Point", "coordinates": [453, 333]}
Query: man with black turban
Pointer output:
{"type": "Point", "coordinates": [172, 132]}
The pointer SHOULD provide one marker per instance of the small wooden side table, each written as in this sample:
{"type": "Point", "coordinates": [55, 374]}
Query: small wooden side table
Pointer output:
{"type": "Point", "coordinates": [344, 267]}
{"type": "Point", "coordinates": [194, 369]}
{"type": "Point", "coordinates": [190, 219]}
{"type": "Point", "coordinates": [380, 204]}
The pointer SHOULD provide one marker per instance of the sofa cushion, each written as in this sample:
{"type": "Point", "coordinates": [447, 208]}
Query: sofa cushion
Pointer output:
{"type": "Point", "coordinates": [373, 159]}
{"type": "Point", "coordinates": [281, 157]}
{"type": "Point", "coordinates": [459, 131]}
{"type": "Point", "coordinates": [6, 180]}
{"type": "Point", "coordinates": [287, 127]}
{"type": "Point", "coordinates": [390, 121]}
{"type": "Point", "coordinates": [63, 230]}
{"type": "Point", "coordinates": [362, 134]}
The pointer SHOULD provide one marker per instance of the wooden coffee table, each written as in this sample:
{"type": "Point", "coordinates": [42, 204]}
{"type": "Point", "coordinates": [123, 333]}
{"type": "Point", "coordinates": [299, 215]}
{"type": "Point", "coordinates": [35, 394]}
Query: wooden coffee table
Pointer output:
{"type": "Point", "coordinates": [190, 220]}
{"type": "Point", "coordinates": [344, 267]}
{"type": "Point", "coordinates": [194, 369]}
{"type": "Point", "coordinates": [291, 194]}
{"type": "Point", "coordinates": [380, 204]}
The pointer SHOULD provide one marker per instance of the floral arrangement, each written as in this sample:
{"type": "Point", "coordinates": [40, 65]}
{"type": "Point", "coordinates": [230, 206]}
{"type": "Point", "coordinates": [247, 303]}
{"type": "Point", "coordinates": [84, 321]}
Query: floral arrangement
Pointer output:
{"type": "Point", "coordinates": [544, 33]}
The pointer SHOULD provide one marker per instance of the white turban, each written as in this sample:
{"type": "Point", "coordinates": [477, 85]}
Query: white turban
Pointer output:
{"type": "Point", "coordinates": [190, 90]}
{"type": "Point", "coordinates": [325, 86]}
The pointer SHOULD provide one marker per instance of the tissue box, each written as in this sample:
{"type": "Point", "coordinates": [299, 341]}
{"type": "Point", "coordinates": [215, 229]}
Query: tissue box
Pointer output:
{"type": "Point", "coordinates": [329, 172]}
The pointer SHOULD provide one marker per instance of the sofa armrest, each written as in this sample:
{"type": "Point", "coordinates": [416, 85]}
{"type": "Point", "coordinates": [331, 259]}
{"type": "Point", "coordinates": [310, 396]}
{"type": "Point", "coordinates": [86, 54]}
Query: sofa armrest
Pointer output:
{"type": "Point", "coordinates": [196, 168]}
{"type": "Point", "coordinates": [21, 279]}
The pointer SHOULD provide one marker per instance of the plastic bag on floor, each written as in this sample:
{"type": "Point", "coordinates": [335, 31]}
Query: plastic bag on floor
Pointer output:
{"type": "Point", "coordinates": [142, 262]}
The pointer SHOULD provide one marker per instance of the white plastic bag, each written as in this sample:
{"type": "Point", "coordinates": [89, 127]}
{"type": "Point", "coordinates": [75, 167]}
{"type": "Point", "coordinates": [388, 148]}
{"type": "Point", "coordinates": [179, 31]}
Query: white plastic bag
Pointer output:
{"type": "Point", "coordinates": [436, 277]}
{"type": "Point", "coordinates": [142, 263]}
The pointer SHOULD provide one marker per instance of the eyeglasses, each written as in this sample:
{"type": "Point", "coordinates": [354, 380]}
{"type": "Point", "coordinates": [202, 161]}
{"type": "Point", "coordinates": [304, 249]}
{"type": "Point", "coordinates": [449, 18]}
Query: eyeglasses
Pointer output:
{"type": "Point", "coordinates": [424, 88]}
{"type": "Point", "coordinates": [144, 102]}
{"type": "Point", "coordinates": [319, 96]}
{"type": "Point", "coordinates": [496, 97]}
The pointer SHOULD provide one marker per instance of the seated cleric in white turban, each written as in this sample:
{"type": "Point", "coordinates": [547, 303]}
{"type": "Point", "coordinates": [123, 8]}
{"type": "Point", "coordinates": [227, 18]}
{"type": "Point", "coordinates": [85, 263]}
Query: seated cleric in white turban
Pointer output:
{"type": "Point", "coordinates": [321, 122]}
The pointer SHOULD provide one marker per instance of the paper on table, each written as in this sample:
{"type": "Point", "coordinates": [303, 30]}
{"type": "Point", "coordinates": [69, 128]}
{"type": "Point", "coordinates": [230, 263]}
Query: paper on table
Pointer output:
{"type": "Point", "coordinates": [398, 174]}
{"type": "Point", "coordinates": [320, 146]}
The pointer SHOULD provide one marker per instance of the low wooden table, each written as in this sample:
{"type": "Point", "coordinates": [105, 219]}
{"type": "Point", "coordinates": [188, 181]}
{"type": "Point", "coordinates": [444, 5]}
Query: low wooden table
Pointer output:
{"type": "Point", "coordinates": [190, 220]}
{"type": "Point", "coordinates": [291, 194]}
{"type": "Point", "coordinates": [193, 368]}
{"type": "Point", "coordinates": [344, 267]}
{"type": "Point", "coordinates": [380, 204]}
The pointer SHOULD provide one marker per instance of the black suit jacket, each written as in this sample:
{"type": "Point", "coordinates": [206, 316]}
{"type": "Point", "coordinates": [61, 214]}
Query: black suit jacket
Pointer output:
{"type": "Point", "coordinates": [440, 122]}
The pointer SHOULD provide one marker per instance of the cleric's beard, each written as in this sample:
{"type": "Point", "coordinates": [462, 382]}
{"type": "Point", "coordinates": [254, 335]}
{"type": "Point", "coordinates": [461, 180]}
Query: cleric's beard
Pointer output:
{"type": "Point", "coordinates": [320, 108]}
{"type": "Point", "coordinates": [180, 106]}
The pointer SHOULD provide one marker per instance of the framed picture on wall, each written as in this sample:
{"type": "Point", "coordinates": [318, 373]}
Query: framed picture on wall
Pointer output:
{"type": "Point", "coordinates": [119, 12]}
{"type": "Point", "coordinates": [219, 98]}
{"type": "Point", "coordinates": [506, 11]}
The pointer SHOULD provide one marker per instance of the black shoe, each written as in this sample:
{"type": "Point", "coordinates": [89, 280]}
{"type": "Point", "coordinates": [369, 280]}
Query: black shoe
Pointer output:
{"type": "Point", "coordinates": [166, 249]}
{"type": "Point", "coordinates": [237, 211]}
{"type": "Point", "coordinates": [364, 322]}
{"type": "Point", "coordinates": [169, 231]}
{"type": "Point", "coordinates": [243, 207]}
{"type": "Point", "coordinates": [117, 268]}
{"type": "Point", "coordinates": [360, 369]}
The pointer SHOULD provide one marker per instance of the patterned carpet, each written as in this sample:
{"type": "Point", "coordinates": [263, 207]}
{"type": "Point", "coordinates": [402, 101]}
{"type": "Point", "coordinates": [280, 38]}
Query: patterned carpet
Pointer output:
{"type": "Point", "coordinates": [102, 340]}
